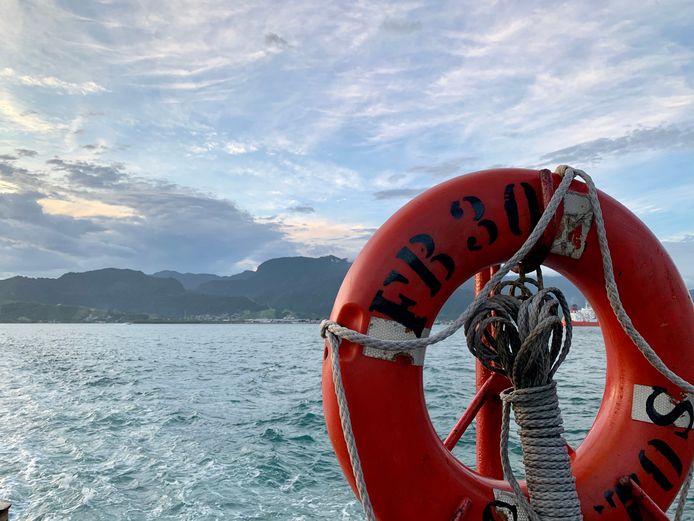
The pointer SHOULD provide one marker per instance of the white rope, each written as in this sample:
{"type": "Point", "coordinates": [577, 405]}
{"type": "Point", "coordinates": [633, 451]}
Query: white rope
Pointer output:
{"type": "Point", "coordinates": [334, 332]}
{"type": "Point", "coordinates": [346, 422]}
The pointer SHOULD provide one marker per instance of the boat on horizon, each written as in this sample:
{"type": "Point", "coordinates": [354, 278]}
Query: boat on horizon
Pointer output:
{"type": "Point", "coordinates": [583, 317]}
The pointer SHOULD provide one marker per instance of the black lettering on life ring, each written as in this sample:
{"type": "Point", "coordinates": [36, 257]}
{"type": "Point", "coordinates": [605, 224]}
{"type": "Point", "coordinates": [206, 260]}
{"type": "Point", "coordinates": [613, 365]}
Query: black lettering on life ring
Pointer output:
{"type": "Point", "coordinates": [651, 468]}
{"type": "Point", "coordinates": [420, 269]}
{"type": "Point", "coordinates": [533, 204]}
{"type": "Point", "coordinates": [394, 276]}
{"type": "Point", "coordinates": [511, 207]}
{"type": "Point", "coordinates": [399, 312]}
{"type": "Point", "coordinates": [488, 513]}
{"type": "Point", "coordinates": [685, 406]}
{"type": "Point", "coordinates": [417, 265]}
{"type": "Point", "coordinates": [445, 260]}
{"type": "Point", "coordinates": [631, 506]}
{"type": "Point", "coordinates": [478, 207]}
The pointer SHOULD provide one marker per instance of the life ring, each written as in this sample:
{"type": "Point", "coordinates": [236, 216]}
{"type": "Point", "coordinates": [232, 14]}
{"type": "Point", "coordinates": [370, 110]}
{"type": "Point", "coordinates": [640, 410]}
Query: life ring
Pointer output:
{"type": "Point", "coordinates": [405, 274]}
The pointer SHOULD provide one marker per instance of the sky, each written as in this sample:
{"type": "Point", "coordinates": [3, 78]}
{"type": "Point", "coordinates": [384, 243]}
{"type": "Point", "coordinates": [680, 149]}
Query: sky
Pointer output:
{"type": "Point", "coordinates": [209, 136]}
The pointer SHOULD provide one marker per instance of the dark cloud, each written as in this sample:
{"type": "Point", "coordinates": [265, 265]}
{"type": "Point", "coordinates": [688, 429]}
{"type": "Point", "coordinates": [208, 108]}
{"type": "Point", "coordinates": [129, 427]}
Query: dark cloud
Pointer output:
{"type": "Point", "coordinates": [167, 226]}
{"type": "Point", "coordinates": [639, 140]}
{"type": "Point", "coordinates": [8, 157]}
{"type": "Point", "coordinates": [96, 148]}
{"type": "Point", "coordinates": [90, 175]}
{"type": "Point", "coordinates": [21, 177]}
{"type": "Point", "coordinates": [301, 209]}
{"type": "Point", "coordinates": [275, 40]}
{"type": "Point", "coordinates": [445, 169]}
{"type": "Point", "coordinates": [25, 152]}
{"type": "Point", "coordinates": [398, 193]}
{"type": "Point", "coordinates": [33, 240]}
{"type": "Point", "coordinates": [392, 25]}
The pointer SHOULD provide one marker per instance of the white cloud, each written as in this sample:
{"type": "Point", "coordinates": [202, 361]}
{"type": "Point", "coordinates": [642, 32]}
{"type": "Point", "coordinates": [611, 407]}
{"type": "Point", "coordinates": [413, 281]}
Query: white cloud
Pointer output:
{"type": "Point", "coordinates": [235, 148]}
{"type": "Point", "coordinates": [316, 236]}
{"type": "Point", "coordinates": [25, 119]}
{"type": "Point", "coordinates": [51, 82]}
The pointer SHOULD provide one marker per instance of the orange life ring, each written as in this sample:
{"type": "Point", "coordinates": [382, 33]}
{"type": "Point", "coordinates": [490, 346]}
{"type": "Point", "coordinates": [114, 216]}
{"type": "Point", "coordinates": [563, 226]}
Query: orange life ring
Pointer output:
{"type": "Point", "coordinates": [405, 274]}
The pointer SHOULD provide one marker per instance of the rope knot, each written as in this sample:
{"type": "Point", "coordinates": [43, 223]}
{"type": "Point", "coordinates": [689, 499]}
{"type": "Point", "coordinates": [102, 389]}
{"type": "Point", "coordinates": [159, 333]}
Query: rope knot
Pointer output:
{"type": "Point", "coordinates": [325, 327]}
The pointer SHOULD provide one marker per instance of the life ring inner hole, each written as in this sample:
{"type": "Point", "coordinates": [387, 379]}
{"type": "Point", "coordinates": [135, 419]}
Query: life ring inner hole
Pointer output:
{"type": "Point", "coordinates": [449, 384]}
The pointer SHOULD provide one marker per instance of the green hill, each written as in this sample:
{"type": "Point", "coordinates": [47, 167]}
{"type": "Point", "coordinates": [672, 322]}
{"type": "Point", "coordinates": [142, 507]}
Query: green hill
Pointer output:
{"type": "Point", "coordinates": [126, 291]}
{"type": "Point", "coordinates": [303, 285]}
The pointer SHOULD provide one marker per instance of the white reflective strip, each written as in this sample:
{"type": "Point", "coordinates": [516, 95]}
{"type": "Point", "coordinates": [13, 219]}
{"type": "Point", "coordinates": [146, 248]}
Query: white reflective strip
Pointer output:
{"type": "Point", "coordinates": [510, 499]}
{"type": "Point", "coordinates": [663, 404]}
{"type": "Point", "coordinates": [392, 330]}
{"type": "Point", "coordinates": [574, 226]}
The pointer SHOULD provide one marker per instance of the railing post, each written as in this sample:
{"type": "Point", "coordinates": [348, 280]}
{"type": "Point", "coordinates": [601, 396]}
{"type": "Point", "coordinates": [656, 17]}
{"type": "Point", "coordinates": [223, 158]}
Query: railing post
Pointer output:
{"type": "Point", "coordinates": [5, 510]}
{"type": "Point", "coordinates": [488, 420]}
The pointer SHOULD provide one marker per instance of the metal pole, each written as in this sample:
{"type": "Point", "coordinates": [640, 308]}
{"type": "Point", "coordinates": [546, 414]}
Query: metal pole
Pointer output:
{"type": "Point", "coordinates": [488, 420]}
{"type": "Point", "coordinates": [4, 510]}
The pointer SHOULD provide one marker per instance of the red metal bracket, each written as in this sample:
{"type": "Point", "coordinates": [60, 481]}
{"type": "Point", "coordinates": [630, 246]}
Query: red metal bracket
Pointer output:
{"type": "Point", "coordinates": [542, 248]}
{"type": "Point", "coordinates": [636, 499]}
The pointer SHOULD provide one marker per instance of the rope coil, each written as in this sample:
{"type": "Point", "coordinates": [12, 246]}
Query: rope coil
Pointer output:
{"type": "Point", "coordinates": [522, 337]}
{"type": "Point", "coordinates": [551, 485]}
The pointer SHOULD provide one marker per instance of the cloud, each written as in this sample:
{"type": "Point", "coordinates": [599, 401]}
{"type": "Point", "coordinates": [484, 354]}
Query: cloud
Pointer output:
{"type": "Point", "coordinates": [8, 157]}
{"type": "Point", "coordinates": [86, 215]}
{"type": "Point", "coordinates": [301, 209]}
{"type": "Point", "coordinates": [401, 26]}
{"type": "Point", "coordinates": [80, 208]}
{"type": "Point", "coordinates": [25, 119]}
{"type": "Point", "coordinates": [662, 137]}
{"type": "Point", "coordinates": [274, 40]}
{"type": "Point", "coordinates": [315, 236]}
{"type": "Point", "coordinates": [445, 169]}
{"type": "Point", "coordinates": [50, 82]}
{"type": "Point", "coordinates": [89, 174]}
{"type": "Point", "coordinates": [25, 152]}
{"type": "Point", "coordinates": [97, 148]}
{"type": "Point", "coordinates": [398, 193]}
{"type": "Point", "coordinates": [235, 148]}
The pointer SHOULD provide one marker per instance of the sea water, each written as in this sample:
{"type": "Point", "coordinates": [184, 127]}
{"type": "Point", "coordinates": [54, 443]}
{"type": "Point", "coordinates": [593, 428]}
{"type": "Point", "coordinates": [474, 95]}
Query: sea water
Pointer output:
{"type": "Point", "coordinates": [205, 422]}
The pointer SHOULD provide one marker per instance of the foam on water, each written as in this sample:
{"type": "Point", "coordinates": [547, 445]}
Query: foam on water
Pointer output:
{"type": "Point", "coordinates": [203, 422]}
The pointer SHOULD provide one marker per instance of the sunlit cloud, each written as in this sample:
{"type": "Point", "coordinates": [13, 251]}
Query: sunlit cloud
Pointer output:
{"type": "Point", "coordinates": [25, 119]}
{"type": "Point", "coordinates": [81, 208]}
{"type": "Point", "coordinates": [316, 236]}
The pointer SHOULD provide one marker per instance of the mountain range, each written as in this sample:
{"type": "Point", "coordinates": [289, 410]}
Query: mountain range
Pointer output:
{"type": "Point", "coordinates": [289, 287]}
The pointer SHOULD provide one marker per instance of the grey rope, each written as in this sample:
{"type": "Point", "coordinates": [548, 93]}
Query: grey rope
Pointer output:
{"type": "Point", "coordinates": [621, 314]}
{"type": "Point", "coordinates": [334, 332]}
{"type": "Point", "coordinates": [611, 285]}
{"type": "Point", "coordinates": [343, 408]}
{"type": "Point", "coordinates": [551, 485]}
{"type": "Point", "coordinates": [521, 337]}
{"type": "Point", "coordinates": [683, 495]}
